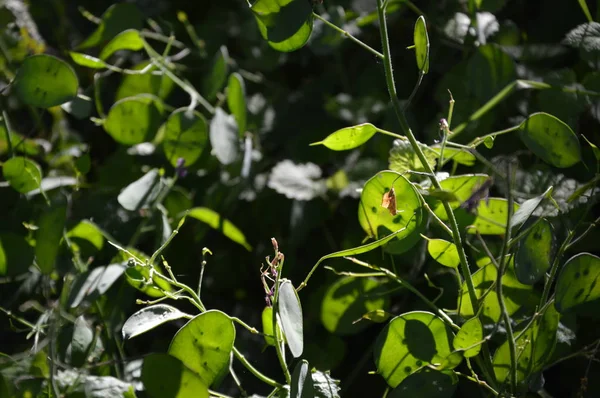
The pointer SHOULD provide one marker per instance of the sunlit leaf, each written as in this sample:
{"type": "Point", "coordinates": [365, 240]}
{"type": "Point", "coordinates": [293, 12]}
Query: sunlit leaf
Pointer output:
{"type": "Point", "coordinates": [141, 193]}
{"type": "Point", "coordinates": [443, 252]}
{"type": "Point", "coordinates": [290, 314]}
{"type": "Point", "coordinates": [462, 187]}
{"type": "Point", "coordinates": [185, 135]}
{"type": "Point", "coordinates": [48, 237]}
{"type": "Point", "coordinates": [550, 139]}
{"type": "Point", "coordinates": [403, 158]}
{"type": "Point", "coordinates": [146, 83]}
{"type": "Point", "coordinates": [325, 385]}
{"type": "Point", "coordinates": [302, 383]}
{"type": "Point", "coordinates": [267, 323]}
{"type": "Point", "coordinates": [409, 343]}
{"type": "Point", "coordinates": [585, 36]}
{"type": "Point", "coordinates": [132, 120]}
{"type": "Point", "coordinates": [87, 60]}
{"type": "Point", "coordinates": [165, 376]}
{"type": "Point", "coordinates": [469, 337]}
{"type": "Point", "coordinates": [577, 282]}
{"type": "Point", "coordinates": [127, 40]}
{"type": "Point", "coordinates": [89, 232]}
{"type": "Point", "coordinates": [94, 283]}
{"type": "Point", "coordinates": [45, 81]}
{"type": "Point", "coordinates": [421, 45]}
{"type": "Point", "coordinates": [285, 24]}
{"type": "Point", "coordinates": [22, 174]}
{"type": "Point", "coordinates": [535, 253]}
{"type": "Point", "coordinates": [224, 137]}
{"type": "Point", "coordinates": [492, 216]}
{"type": "Point", "coordinates": [348, 137]}
{"type": "Point", "coordinates": [216, 221]}
{"type": "Point", "coordinates": [204, 344]}
{"type": "Point", "coordinates": [236, 100]}
{"type": "Point", "coordinates": [378, 222]}
{"type": "Point", "coordinates": [297, 181]}
{"type": "Point", "coordinates": [458, 155]}
{"type": "Point", "coordinates": [347, 300]}
{"type": "Point", "coordinates": [148, 318]}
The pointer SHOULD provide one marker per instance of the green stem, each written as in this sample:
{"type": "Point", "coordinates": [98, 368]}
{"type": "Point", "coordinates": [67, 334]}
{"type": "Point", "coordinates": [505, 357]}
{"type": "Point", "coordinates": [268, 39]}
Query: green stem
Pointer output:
{"type": "Point", "coordinates": [7, 132]}
{"type": "Point", "coordinates": [277, 334]}
{"type": "Point", "coordinates": [502, 266]}
{"type": "Point", "coordinates": [349, 36]}
{"type": "Point", "coordinates": [387, 63]}
{"type": "Point", "coordinates": [254, 371]}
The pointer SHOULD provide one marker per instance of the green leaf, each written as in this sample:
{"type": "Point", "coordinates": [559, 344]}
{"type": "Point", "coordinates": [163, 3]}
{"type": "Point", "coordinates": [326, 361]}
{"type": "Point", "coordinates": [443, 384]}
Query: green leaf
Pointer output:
{"type": "Point", "coordinates": [534, 347]}
{"type": "Point", "coordinates": [204, 344]}
{"type": "Point", "coordinates": [462, 187]}
{"type": "Point", "coordinates": [516, 294]}
{"type": "Point", "coordinates": [535, 253]}
{"type": "Point", "coordinates": [48, 236]}
{"type": "Point", "coordinates": [325, 385]}
{"type": "Point", "coordinates": [215, 80]}
{"type": "Point", "coordinates": [377, 221]}
{"type": "Point", "coordinates": [116, 19]}
{"type": "Point", "coordinates": [285, 24]}
{"type": "Point", "coordinates": [492, 217]}
{"type": "Point", "coordinates": [147, 83]}
{"type": "Point", "coordinates": [459, 155]}
{"type": "Point", "coordinates": [214, 220]}
{"type": "Point", "coordinates": [427, 383]}
{"type": "Point", "coordinates": [87, 60]}
{"type": "Point", "coordinates": [139, 277]}
{"type": "Point", "coordinates": [22, 174]}
{"type": "Point", "coordinates": [577, 282]}
{"type": "Point", "coordinates": [165, 376]}
{"type": "Point", "coordinates": [443, 252]}
{"type": "Point", "coordinates": [148, 318]}
{"type": "Point", "coordinates": [421, 45]}
{"type": "Point", "coordinates": [80, 346]}
{"type": "Point", "coordinates": [88, 232]}
{"type": "Point", "coordinates": [469, 338]}
{"type": "Point", "coordinates": [16, 255]}
{"type": "Point", "coordinates": [488, 71]}
{"type": "Point", "coordinates": [550, 139]}
{"type": "Point", "coordinates": [302, 383]}
{"type": "Point", "coordinates": [348, 137]}
{"type": "Point", "coordinates": [527, 209]}
{"type": "Point", "coordinates": [289, 311]}
{"type": "Point", "coordinates": [93, 284]}
{"type": "Point", "coordinates": [80, 107]}
{"type": "Point", "coordinates": [409, 343]}
{"type": "Point", "coordinates": [185, 135]}
{"type": "Point", "coordinates": [127, 40]}
{"type": "Point", "coordinates": [224, 137]}
{"type": "Point", "coordinates": [267, 323]}
{"type": "Point", "coordinates": [236, 100]}
{"type": "Point", "coordinates": [403, 158]}
{"type": "Point", "coordinates": [131, 120]}
{"type": "Point", "coordinates": [45, 81]}
{"type": "Point", "coordinates": [141, 193]}
{"type": "Point", "coordinates": [377, 316]}
{"type": "Point", "coordinates": [489, 142]}
{"type": "Point", "coordinates": [585, 36]}
{"type": "Point", "coordinates": [349, 299]}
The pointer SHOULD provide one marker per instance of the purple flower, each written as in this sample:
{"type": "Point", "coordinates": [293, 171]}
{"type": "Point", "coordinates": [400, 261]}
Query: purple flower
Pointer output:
{"type": "Point", "coordinates": [180, 169]}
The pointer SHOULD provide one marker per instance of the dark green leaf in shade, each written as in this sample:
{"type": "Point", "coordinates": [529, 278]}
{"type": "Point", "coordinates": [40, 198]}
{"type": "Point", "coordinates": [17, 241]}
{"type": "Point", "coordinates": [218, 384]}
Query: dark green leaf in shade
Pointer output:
{"type": "Point", "coordinates": [133, 120]}
{"type": "Point", "coordinates": [185, 135]}
{"type": "Point", "coordinates": [22, 174]}
{"type": "Point", "coordinates": [535, 253]}
{"type": "Point", "coordinates": [165, 376]}
{"type": "Point", "coordinates": [48, 237]}
{"type": "Point", "coordinates": [116, 19]}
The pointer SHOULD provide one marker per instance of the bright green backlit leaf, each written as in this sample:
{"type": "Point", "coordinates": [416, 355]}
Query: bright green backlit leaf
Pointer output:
{"type": "Point", "coordinates": [87, 60]}
{"type": "Point", "coordinates": [141, 193]}
{"type": "Point", "coordinates": [285, 24]}
{"type": "Point", "coordinates": [409, 343]}
{"type": "Point", "coordinates": [469, 337]}
{"type": "Point", "coordinates": [132, 120]}
{"type": "Point", "coordinates": [427, 383]}
{"type": "Point", "coordinates": [48, 236]}
{"type": "Point", "coordinates": [290, 314]}
{"type": "Point", "coordinates": [443, 252]}
{"type": "Point", "coordinates": [267, 323]}
{"type": "Point", "coordinates": [489, 142]}
{"type": "Point", "coordinates": [421, 45]}
{"type": "Point", "coordinates": [146, 83]}
{"type": "Point", "coordinates": [116, 19]}
{"type": "Point", "coordinates": [534, 347]}
{"type": "Point", "coordinates": [165, 376]}
{"type": "Point", "coordinates": [236, 100]}
{"type": "Point", "coordinates": [349, 299]}
{"type": "Point", "coordinates": [214, 220]}
{"type": "Point", "coordinates": [204, 344]}
{"type": "Point", "coordinates": [577, 282]}
{"type": "Point", "coordinates": [403, 158]}
{"type": "Point", "coordinates": [377, 316]}
{"type": "Point", "coordinates": [492, 216]}
{"type": "Point", "coordinates": [22, 174]}
{"type": "Point", "coordinates": [516, 294]}
{"type": "Point", "coordinates": [87, 231]}
{"type": "Point", "coordinates": [302, 383]}
{"type": "Point", "coordinates": [462, 187]}
{"type": "Point", "coordinates": [45, 81]}
{"type": "Point", "coordinates": [535, 253]}
{"type": "Point", "coordinates": [148, 318]}
{"type": "Point", "coordinates": [127, 40]}
{"type": "Point", "coordinates": [459, 155]}
{"type": "Point", "coordinates": [185, 135]}
{"type": "Point", "coordinates": [349, 137]}
{"type": "Point", "coordinates": [378, 222]}
{"type": "Point", "coordinates": [217, 77]}
{"type": "Point", "coordinates": [139, 277]}
{"type": "Point", "coordinates": [550, 139]}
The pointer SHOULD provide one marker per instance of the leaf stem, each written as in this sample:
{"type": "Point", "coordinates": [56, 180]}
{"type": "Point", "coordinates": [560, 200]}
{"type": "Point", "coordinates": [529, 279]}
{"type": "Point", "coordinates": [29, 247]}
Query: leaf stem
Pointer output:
{"type": "Point", "coordinates": [349, 36]}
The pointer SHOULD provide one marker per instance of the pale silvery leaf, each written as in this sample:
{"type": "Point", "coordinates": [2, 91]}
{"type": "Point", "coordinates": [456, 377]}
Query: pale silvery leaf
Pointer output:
{"type": "Point", "coordinates": [297, 181]}
{"type": "Point", "coordinates": [586, 36]}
